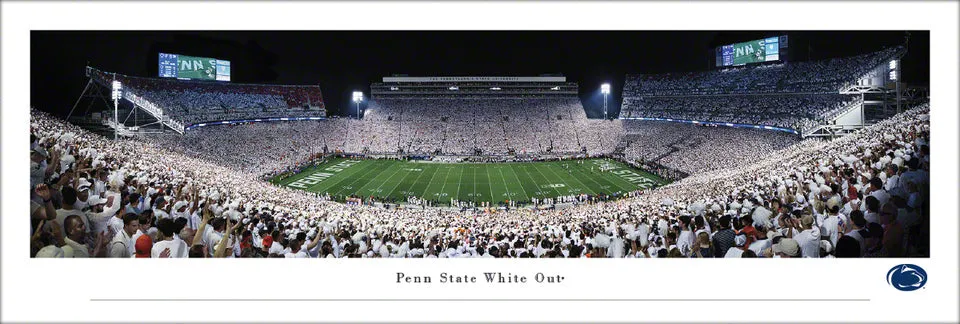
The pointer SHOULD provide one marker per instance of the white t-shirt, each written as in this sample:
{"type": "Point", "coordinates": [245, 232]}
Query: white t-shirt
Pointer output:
{"type": "Point", "coordinates": [277, 248]}
{"type": "Point", "coordinates": [62, 215]}
{"type": "Point", "coordinates": [760, 245]}
{"type": "Point", "coordinates": [848, 208]}
{"type": "Point", "coordinates": [194, 220]}
{"type": "Point", "coordinates": [101, 221]}
{"type": "Point", "coordinates": [881, 196]}
{"type": "Point", "coordinates": [115, 223]}
{"type": "Point", "coordinates": [299, 254]}
{"type": "Point", "coordinates": [831, 228]}
{"type": "Point", "coordinates": [809, 241]}
{"type": "Point", "coordinates": [80, 205]}
{"type": "Point", "coordinates": [211, 239]}
{"type": "Point", "coordinates": [685, 242]}
{"type": "Point", "coordinates": [892, 182]}
{"type": "Point", "coordinates": [178, 248]}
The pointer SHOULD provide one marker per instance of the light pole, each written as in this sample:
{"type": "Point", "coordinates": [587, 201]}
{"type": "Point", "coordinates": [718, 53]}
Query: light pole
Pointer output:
{"type": "Point", "coordinates": [605, 89]}
{"type": "Point", "coordinates": [115, 94]}
{"type": "Point", "coordinates": [357, 98]}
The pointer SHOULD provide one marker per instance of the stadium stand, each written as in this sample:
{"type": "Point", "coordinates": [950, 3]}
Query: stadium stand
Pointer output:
{"type": "Point", "coordinates": [871, 185]}
{"type": "Point", "coordinates": [491, 126]}
{"type": "Point", "coordinates": [795, 95]}
{"type": "Point", "coordinates": [192, 102]}
{"type": "Point", "coordinates": [202, 194]}
{"type": "Point", "coordinates": [681, 146]}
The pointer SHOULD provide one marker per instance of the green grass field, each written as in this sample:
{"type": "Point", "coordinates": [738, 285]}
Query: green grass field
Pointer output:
{"type": "Point", "coordinates": [478, 182]}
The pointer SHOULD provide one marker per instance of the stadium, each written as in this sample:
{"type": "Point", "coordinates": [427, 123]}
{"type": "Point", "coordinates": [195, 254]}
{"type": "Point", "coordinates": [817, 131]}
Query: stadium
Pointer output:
{"type": "Point", "coordinates": [763, 154]}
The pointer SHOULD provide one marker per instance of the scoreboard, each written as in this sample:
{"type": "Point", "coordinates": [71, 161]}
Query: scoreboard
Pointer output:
{"type": "Point", "coordinates": [755, 51]}
{"type": "Point", "coordinates": [193, 67]}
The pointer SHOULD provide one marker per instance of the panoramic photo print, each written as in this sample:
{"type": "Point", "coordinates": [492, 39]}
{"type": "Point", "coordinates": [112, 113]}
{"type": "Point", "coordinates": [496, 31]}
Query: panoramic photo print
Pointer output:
{"type": "Point", "coordinates": [480, 144]}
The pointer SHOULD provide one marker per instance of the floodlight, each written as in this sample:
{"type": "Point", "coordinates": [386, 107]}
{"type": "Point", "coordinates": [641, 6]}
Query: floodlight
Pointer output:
{"type": "Point", "coordinates": [605, 89]}
{"type": "Point", "coordinates": [357, 96]}
{"type": "Point", "coordinates": [454, 88]}
{"type": "Point", "coordinates": [115, 94]}
{"type": "Point", "coordinates": [495, 88]}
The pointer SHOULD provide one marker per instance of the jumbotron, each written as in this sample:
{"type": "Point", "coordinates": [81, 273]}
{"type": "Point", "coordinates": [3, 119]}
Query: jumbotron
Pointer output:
{"type": "Point", "coordinates": [774, 160]}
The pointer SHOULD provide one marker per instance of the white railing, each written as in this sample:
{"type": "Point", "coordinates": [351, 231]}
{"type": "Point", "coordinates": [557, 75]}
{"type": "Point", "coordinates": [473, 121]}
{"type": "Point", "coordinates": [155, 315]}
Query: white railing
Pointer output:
{"type": "Point", "coordinates": [154, 110]}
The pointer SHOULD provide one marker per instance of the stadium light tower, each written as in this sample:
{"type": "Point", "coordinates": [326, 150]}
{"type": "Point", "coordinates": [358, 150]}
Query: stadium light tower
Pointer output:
{"type": "Point", "coordinates": [357, 98]}
{"type": "Point", "coordinates": [605, 89]}
{"type": "Point", "coordinates": [115, 94]}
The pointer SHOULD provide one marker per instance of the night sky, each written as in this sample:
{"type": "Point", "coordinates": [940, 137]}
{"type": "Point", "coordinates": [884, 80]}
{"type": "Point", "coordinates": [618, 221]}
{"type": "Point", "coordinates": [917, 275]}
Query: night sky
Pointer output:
{"type": "Point", "coordinates": [344, 61]}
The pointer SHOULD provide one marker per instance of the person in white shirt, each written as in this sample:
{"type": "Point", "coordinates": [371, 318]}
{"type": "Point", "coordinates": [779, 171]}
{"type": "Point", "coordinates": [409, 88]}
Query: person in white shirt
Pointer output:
{"type": "Point", "coordinates": [295, 251]}
{"type": "Point", "coordinates": [808, 238]}
{"type": "Point", "coordinates": [832, 224]}
{"type": "Point", "coordinates": [872, 213]}
{"type": "Point", "coordinates": [99, 184]}
{"type": "Point", "coordinates": [853, 204]}
{"type": "Point", "coordinates": [215, 233]}
{"type": "Point", "coordinates": [687, 238]}
{"type": "Point", "coordinates": [176, 247]}
{"type": "Point", "coordinates": [179, 210]}
{"type": "Point", "coordinates": [876, 190]}
{"type": "Point", "coordinates": [312, 243]}
{"type": "Point", "coordinates": [146, 223]}
{"type": "Point", "coordinates": [856, 229]}
{"type": "Point", "coordinates": [69, 199]}
{"type": "Point", "coordinates": [76, 238]}
{"type": "Point", "coordinates": [83, 193]}
{"type": "Point", "coordinates": [162, 209]}
{"type": "Point", "coordinates": [121, 246]}
{"type": "Point", "coordinates": [892, 178]}
{"type": "Point", "coordinates": [102, 213]}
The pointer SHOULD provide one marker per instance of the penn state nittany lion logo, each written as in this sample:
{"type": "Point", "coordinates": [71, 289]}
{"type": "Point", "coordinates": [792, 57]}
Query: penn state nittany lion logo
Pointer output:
{"type": "Point", "coordinates": [907, 277]}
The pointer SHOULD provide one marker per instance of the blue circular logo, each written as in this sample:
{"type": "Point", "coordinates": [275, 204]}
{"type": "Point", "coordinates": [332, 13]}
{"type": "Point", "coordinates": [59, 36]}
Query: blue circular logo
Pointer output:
{"type": "Point", "coordinates": [907, 277]}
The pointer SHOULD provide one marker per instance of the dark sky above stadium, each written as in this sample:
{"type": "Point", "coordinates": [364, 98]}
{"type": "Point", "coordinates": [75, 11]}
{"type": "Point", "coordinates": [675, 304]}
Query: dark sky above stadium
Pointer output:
{"type": "Point", "coordinates": [344, 61]}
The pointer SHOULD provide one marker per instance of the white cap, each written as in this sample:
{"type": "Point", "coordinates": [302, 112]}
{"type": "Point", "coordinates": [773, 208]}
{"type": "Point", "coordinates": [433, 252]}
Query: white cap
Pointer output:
{"type": "Point", "coordinates": [96, 200]}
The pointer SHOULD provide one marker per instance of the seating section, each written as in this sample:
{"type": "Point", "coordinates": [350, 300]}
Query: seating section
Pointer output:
{"type": "Point", "coordinates": [192, 102]}
{"type": "Point", "coordinates": [795, 95]}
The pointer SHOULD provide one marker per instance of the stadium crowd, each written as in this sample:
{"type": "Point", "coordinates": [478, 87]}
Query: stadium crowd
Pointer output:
{"type": "Point", "coordinates": [496, 127]}
{"type": "Point", "coordinates": [683, 147]}
{"type": "Point", "coordinates": [257, 148]}
{"type": "Point", "coordinates": [794, 95]}
{"type": "Point", "coordinates": [788, 111]}
{"type": "Point", "coordinates": [821, 76]}
{"type": "Point", "coordinates": [865, 194]}
{"type": "Point", "coordinates": [193, 102]}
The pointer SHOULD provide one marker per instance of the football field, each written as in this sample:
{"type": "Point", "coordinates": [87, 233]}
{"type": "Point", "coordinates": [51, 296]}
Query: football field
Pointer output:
{"type": "Point", "coordinates": [394, 180]}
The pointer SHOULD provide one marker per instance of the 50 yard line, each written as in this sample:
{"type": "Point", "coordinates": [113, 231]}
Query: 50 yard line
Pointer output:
{"type": "Point", "coordinates": [390, 192]}
{"type": "Point", "coordinates": [410, 188]}
{"type": "Point", "coordinates": [427, 187]}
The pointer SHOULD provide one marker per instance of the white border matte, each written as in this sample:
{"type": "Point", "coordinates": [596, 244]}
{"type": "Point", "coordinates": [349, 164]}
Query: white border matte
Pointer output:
{"type": "Point", "coordinates": [60, 290]}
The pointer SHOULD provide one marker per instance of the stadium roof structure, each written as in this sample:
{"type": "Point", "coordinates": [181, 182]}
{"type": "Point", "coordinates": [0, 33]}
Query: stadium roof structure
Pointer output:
{"type": "Point", "coordinates": [474, 87]}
